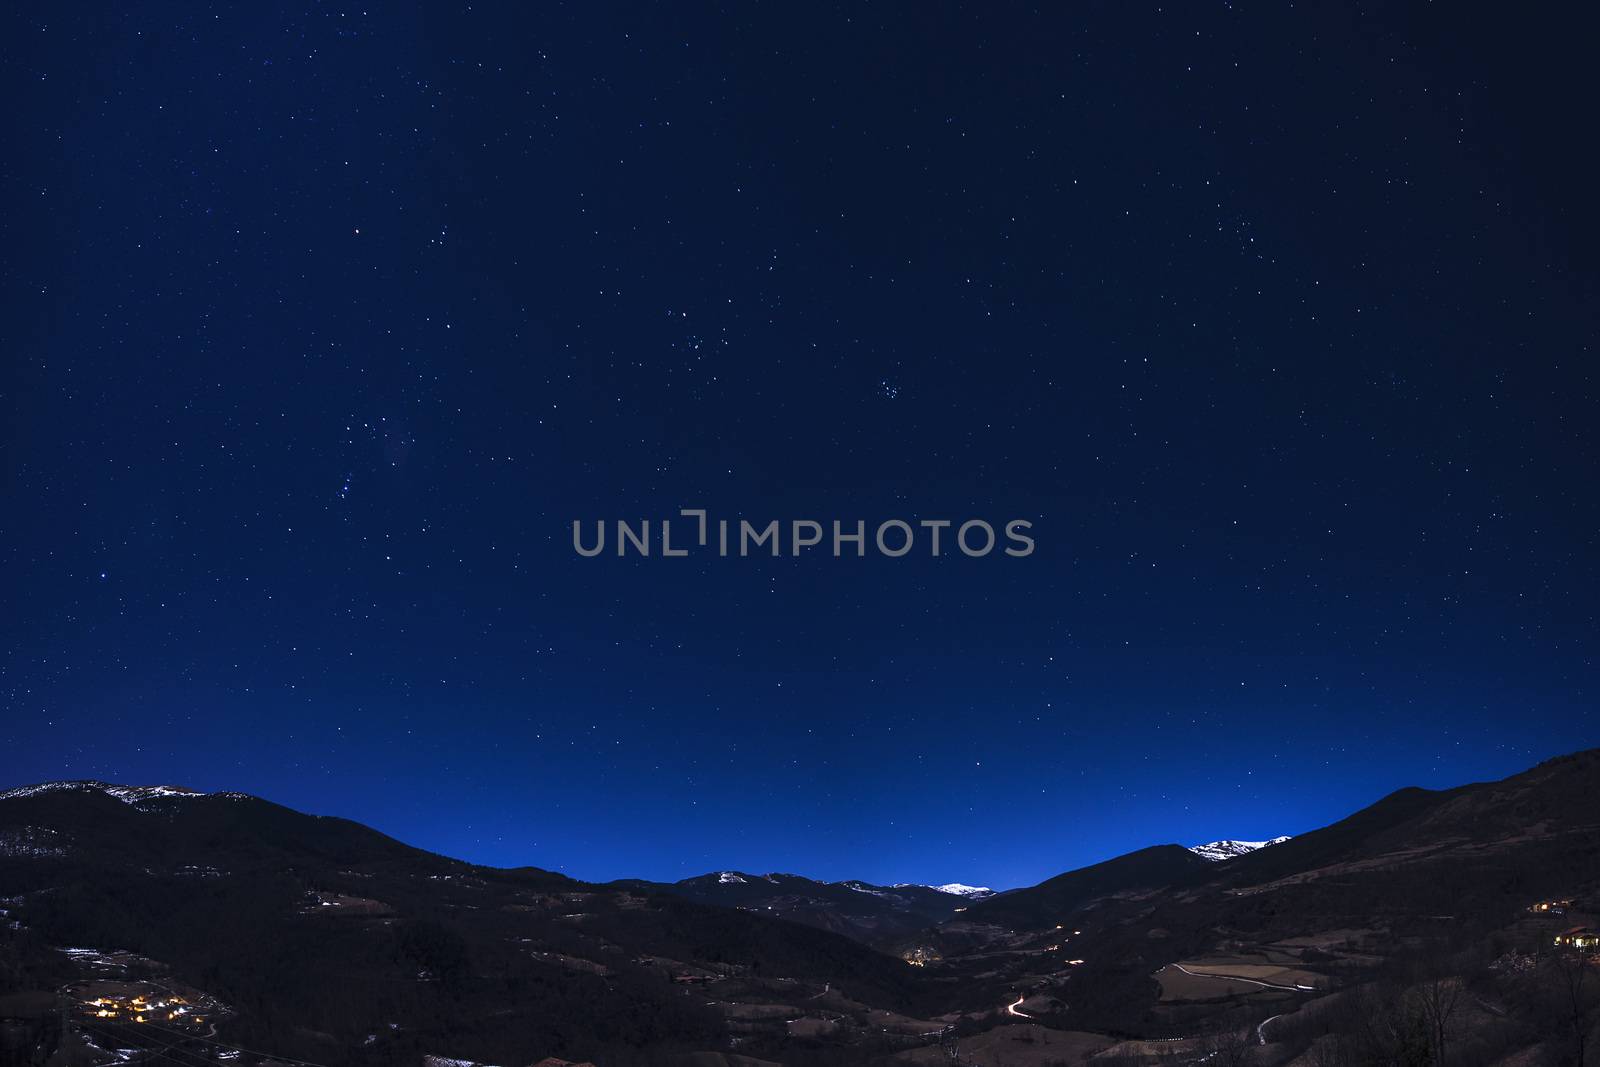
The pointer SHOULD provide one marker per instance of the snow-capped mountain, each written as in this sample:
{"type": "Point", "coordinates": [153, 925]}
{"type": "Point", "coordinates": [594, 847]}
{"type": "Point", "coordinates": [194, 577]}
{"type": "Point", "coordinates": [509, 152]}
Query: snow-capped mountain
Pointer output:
{"type": "Point", "coordinates": [128, 794]}
{"type": "Point", "coordinates": [971, 892]}
{"type": "Point", "coordinates": [1227, 850]}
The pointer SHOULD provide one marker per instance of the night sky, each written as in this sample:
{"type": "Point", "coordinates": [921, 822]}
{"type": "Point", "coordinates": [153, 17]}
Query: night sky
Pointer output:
{"type": "Point", "coordinates": [320, 327]}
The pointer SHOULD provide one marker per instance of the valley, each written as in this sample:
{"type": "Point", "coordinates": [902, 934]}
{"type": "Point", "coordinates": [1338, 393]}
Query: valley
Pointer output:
{"type": "Point", "coordinates": [155, 924]}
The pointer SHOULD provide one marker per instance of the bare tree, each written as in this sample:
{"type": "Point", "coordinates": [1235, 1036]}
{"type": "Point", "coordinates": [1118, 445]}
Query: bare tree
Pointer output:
{"type": "Point", "coordinates": [1391, 1028]}
{"type": "Point", "coordinates": [1572, 977]}
{"type": "Point", "coordinates": [1439, 999]}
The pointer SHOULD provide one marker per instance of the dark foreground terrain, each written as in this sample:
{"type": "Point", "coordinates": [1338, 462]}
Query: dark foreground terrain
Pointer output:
{"type": "Point", "coordinates": [158, 925]}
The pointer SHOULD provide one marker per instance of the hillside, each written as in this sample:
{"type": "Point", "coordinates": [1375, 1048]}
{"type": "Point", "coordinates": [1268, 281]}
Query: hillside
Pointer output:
{"type": "Point", "coordinates": [330, 942]}
{"type": "Point", "coordinates": [1154, 943]}
{"type": "Point", "coordinates": [1046, 904]}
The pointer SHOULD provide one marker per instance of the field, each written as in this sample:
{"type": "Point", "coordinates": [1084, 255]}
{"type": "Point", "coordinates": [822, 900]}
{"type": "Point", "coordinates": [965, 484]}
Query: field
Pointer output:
{"type": "Point", "coordinates": [1181, 985]}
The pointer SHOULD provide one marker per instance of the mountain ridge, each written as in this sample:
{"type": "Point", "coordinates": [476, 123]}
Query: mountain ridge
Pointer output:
{"type": "Point", "coordinates": [135, 795]}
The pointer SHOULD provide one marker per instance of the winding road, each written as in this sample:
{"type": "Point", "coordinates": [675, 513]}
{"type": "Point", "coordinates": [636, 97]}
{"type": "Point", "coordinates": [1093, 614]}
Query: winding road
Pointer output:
{"type": "Point", "coordinates": [1249, 981]}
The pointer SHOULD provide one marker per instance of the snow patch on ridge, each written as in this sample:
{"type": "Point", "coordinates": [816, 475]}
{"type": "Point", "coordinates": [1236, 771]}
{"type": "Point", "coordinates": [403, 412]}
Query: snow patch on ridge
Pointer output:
{"type": "Point", "coordinates": [957, 889]}
{"type": "Point", "coordinates": [128, 794]}
{"type": "Point", "coordinates": [1227, 850]}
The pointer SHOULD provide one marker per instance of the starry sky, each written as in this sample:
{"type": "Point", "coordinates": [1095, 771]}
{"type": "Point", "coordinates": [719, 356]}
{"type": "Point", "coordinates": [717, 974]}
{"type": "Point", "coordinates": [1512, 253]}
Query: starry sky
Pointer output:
{"type": "Point", "coordinates": [322, 324]}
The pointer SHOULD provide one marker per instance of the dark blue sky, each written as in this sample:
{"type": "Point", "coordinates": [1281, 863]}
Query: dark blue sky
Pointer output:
{"type": "Point", "coordinates": [321, 326]}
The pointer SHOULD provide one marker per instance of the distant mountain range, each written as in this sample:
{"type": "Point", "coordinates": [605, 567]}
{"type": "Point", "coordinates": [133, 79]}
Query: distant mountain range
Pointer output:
{"type": "Point", "coordinates": [762, 891]}
{"type": "Point", "coordinates": [326, 942]}
{"type": "Point", "coordinates": [877, 915]}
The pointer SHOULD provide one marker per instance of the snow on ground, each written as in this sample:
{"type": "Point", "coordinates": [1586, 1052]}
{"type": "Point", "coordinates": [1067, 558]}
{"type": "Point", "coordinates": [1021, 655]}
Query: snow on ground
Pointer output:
{"type": "Point", "coordinates": [36, 841]}
{"type": "Point", "coordinates": [128, 794]}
